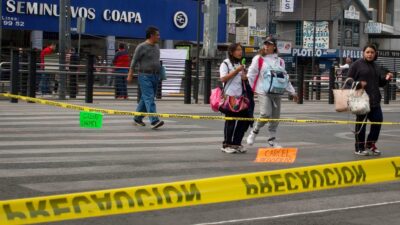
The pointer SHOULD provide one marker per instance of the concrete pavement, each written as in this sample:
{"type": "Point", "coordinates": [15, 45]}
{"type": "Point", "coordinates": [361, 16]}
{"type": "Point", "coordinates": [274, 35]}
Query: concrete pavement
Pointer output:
{"type": "Point", "coordinates": [43, 152]}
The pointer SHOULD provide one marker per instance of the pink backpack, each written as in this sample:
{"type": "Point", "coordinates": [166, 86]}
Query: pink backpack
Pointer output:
{"type": "Point", "coordinates": [215, 98]}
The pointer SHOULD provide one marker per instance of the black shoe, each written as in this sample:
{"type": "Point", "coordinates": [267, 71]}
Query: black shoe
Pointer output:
{"type": "Point", "coordinates": [138, 123]}
{"type": "Point", "coordinates": [157, 124]}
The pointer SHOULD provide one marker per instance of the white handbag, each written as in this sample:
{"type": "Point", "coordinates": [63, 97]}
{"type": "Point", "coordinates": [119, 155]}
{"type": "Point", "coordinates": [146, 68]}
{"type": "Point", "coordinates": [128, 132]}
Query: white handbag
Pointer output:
{"type": "Point", "coordinates": [358, 101]}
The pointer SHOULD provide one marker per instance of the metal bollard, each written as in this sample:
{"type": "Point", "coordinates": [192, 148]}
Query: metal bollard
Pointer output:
{"type": "Point", "coordinates": [331, 85]}
{"type": "Point", "coordinates": [300, 83]}
{"type": "Point", "coordinates": [32, 75]}
{"type": "Point", "coordinates": [15, 79]}
{"type": "Point", "coordinates": [318, 91]}
{"type": "Point", "coordinates": [159, 86]}
{"type": "Point", "coordinates": [394, 87]}
{"type": "Point", "coordinates": [89, 79]}
{"type": "Point", "coordinates": [188, 81]}
{"type": "Point", "coordinates": [306, 89]}
{"type": "Point", "coordinates": [207, 82]}
{"type": "Point", "coordinates": [386, 94]}
{"type": "Point", "coordinates": [24, 76]}
{"type": "Point", "coordinates": [73, 78]}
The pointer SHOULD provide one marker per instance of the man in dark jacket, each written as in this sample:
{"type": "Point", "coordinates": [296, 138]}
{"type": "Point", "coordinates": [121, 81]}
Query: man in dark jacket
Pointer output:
{"type": "Point", "coordinates": [121, 60]}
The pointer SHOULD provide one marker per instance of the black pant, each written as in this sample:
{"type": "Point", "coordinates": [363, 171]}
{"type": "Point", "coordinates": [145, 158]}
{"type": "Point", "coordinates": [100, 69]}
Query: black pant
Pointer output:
{"type": "Point", "coordinates": [235, 129]}
{"type": "Point", "coordinates": [375, 115]}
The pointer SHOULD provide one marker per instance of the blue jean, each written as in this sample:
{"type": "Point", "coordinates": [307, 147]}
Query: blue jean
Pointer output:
{"type": "Point", "coordinates": [148, 86]}
{"type": "Point", "coordinates": [44, 84]}
{"type": "Point", "coordinates": [375, 115]}
{"type": "Point", "coordinates": [121, 83]}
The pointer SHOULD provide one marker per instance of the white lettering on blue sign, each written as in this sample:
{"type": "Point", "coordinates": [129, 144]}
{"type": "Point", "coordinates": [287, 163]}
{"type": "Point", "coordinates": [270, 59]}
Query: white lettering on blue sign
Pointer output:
{"type": "Point", "coordinates": [122, 16]}
{"type": "Point", "coordinates": [46, 9]}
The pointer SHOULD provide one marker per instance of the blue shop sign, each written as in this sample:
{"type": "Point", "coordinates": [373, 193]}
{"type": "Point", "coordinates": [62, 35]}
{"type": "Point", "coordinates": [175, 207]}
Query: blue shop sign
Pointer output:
{"type": "Point", "coordinates": [308, 52]}
{"type": "Point", "coordinates": [176, 19]}
{"type": "Point", "coordinates": [326, 53]}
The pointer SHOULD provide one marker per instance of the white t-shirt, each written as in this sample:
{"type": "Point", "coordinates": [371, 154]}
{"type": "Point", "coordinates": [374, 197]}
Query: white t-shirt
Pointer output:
{"type": "Point", "coordinates": [232, 87]}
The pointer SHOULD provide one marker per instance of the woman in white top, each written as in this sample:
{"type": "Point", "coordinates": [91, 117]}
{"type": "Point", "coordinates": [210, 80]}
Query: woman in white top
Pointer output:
{"type": "Point", "coordinates": [232, 74]}
{"type": "Point", "coordinates": [270, 104]}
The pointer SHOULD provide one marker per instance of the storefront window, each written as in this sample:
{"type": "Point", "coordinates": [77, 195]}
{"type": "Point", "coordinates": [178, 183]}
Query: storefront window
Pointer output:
{"type": "Point", "coordinates": [299, 33]}
{"type": "Point", "coordinates": [351, 33]}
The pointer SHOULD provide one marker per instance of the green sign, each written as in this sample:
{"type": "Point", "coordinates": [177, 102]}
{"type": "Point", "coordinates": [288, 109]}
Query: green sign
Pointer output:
{"type": "Point", "coordinates": [90, 119]}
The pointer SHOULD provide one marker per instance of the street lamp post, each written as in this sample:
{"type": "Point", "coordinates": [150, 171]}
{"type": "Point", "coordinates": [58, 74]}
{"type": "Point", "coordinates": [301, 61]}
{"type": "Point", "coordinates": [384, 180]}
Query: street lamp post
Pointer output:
{"type": "Point", "coordinates": [1, 27]}
{"type": "Point", "coordinates": [196, 83]}
{"type": "Point", "coordinates": [314, 36]}
{"type": "Point", "coordinates": [61, 46]}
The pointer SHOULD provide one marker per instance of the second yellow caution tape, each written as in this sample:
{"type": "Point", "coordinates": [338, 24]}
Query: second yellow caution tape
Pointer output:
{"type": "Point", "coordinates": [198, 192]}
{"type": "Point", "coordinates": [182, 116]}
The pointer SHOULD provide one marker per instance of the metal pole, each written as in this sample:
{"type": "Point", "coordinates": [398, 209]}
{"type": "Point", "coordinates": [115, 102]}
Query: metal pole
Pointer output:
{"type": "Point", "coordinates": [394, 87]}
{"type": "Point", "coordinates": [313, 72]}
{"type": "Point", "coordinates": [1, 28]}
{"type": "Point", "coordinates": [89, 79]}
{"type": "Point", "coordinates": [207, 81]}
{"type": "Point", "coordinates": [386, 94]}
{"type": "Point", "coordinates": [14, 79]}
{"type": "Point", "coordinates": [341, 38]}
{"type": "Point", "coordinates": [79, 34]}
{"type": "Point", "coordinates": [188, 81]}
{"type": "Point", "coordinates": [68, 24]}
{"type": "Point", "coordinates": [73, 78]}
{"type": "Point", "coordinates": [61, 44]}
{"type": "Point", "coordinates": [331, 84]}
{"type": "Point", "coordinates": [32, 74]}
{"type": "Point", "coordinates": [79, 43]}
{"type": "Point", "coordinates": [159, 87]}
{"type": "Point", "coordinates": [196, 81]}
{"type": "Point", "coordinates": [300, 83]}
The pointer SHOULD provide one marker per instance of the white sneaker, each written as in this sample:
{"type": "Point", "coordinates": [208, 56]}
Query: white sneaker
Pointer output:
{"type": "Point", "coordinates": [251, 138]}
{"type": "Point", "coordinates": [229, 150]}
{"type": "Point", "coordinates": [241, 149]}
{"type": "Point", "coordinates": [272, 143]}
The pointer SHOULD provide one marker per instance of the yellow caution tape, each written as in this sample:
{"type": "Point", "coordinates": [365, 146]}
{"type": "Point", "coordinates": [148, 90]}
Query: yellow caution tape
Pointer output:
{"type": "Point", "coordinates": [198, 192]}
{"type": "Point", "coordinates": [182, 116]}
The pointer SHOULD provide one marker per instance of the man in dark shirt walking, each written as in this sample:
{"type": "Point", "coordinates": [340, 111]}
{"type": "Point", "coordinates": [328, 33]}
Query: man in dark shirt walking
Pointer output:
{"type": "Point", "coordinates": [147, 57]}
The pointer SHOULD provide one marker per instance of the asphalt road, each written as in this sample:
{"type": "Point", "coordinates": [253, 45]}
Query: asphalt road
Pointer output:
{"type": "Point", "coordinates": [44, 152]}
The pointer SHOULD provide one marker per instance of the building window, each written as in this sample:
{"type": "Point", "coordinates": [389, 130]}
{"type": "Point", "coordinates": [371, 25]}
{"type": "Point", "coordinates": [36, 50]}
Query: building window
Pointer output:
{"type": "Point", "coordinates": [299, 33]}
{"type": "Point", "coordinates": [351, 33]}
{"type": "Point", "coordinates": [272, 28]}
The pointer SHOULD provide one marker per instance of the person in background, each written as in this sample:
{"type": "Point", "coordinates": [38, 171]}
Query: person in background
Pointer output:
{"type": "Point", "coordinates": [345, 68]}
{"type": "Point", "coordinates": [147, 57]}
{"type": "Point", "coordinates": [270, 104]}
{"type": "Point", "coordinates": [45, 78]}
{"type": "Point", "coordinates": [233, 75]}
{"type": "Point", "coordinates": [122, 62]}
{"type": "Point", "coordinates": [371, 77]}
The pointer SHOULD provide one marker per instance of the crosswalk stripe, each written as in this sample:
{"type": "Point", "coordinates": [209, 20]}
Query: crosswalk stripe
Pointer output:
{"type": "Point", "coordinates": [115, 134]}
{"type": "Point", "coordinates": [180, 148]}
{"type": "Point", "coordinates": [75, 127]}
{"type": "Point", "coordinates": [48, 152]}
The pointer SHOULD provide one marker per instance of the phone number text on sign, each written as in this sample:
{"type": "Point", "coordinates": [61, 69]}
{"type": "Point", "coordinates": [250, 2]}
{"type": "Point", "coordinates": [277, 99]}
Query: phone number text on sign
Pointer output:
{"type": "Point", "coordinates": [12, 21]}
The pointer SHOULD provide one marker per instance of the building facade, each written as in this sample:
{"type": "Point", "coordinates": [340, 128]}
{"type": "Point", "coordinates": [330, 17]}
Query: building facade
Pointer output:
{"type": "Point", "coordinates": [331, 16]}
{"type": "Point", "coordinates": [34, 24]}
